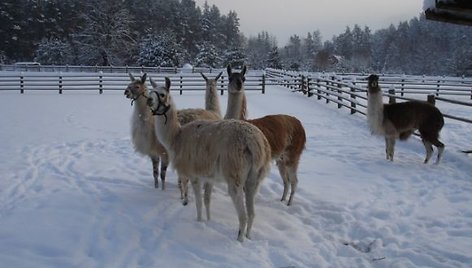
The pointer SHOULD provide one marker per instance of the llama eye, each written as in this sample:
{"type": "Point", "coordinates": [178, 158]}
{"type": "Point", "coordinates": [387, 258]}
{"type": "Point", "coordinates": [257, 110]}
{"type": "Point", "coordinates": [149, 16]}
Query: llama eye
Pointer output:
{"type": "Point", "coordinates": [162, 95]}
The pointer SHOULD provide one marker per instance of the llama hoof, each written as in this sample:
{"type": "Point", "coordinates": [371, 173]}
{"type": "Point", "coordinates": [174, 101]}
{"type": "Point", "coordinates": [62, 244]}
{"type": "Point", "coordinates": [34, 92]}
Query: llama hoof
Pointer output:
{"type": "Point", "coordinates": [185, 202]}
{"type": "Point", "coordinates": [240, 236]}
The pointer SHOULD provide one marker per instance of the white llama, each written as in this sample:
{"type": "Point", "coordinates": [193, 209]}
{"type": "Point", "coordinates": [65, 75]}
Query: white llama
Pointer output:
{"type": "Point", "coordinates": [142, 129]}
{"type": "Point", "coordinates": [232, 151]}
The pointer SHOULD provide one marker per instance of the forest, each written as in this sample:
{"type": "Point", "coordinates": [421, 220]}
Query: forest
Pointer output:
{"type": "Point", "coordinates": [175, 32]}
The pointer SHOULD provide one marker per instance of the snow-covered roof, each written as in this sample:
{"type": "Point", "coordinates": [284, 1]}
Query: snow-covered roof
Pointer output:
{"type": "Point", "coordinates": [453, 11]}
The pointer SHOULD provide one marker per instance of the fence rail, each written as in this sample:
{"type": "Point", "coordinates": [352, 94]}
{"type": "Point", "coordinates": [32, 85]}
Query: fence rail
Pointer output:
{"type": "Point", "coordinates": [349, 90]}
{"type": "Point", "coordinates": [68, 81]}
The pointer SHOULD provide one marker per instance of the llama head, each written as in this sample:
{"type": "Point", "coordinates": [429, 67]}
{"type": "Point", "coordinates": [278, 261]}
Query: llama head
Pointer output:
{"type": "Point", "coordinates": [236, 80]}
{"type": "Point", "coordinates": [211, 83]}
{"type": "Point", "coordinates": [159, 97]}
{"type": "Point", "coordinates": [373, 83]}
{"type": "Point", "coordinates": [136, 88]}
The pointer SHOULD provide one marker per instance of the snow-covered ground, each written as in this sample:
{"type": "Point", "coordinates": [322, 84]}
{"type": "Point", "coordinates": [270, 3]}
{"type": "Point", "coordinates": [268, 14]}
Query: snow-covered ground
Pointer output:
{"type": "Point", "coordinates": [73, 193]}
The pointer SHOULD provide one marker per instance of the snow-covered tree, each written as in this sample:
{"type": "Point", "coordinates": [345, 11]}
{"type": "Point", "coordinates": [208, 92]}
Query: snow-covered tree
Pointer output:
{"type": "Point", "coordinates": [54, 51]}
{"type": "Point", "coordinates": [106, 37]}
{"type": "Point", "coordinates": [160, 50]}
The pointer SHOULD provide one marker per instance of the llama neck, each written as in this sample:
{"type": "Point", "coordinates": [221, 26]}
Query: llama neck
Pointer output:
{"type": "Point", "coordinates": [236, 108]}
{"type": "Point", "coordinates": [211, 100]}
{"type": "Point", "coordinates": [167, 128]}
{"type": "Point", "coordinates": [375, 108]}
{"type": "Point", "coordinates": [141, 109]}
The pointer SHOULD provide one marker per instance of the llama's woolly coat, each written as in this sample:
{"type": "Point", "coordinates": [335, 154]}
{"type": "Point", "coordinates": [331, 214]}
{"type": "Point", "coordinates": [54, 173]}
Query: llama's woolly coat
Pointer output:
{"type": "Point", "coordinates": [143, 132]}
{"type": "Point", "coordinates": [271, 125]}
{"type": "Point", "coordinates": [228, 145]}
{"type": "Point", "coordinates": [186, 116]}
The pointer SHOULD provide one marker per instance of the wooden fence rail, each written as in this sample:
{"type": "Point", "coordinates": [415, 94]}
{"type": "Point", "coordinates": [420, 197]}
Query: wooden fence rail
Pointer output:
{"type": "Point", "coordinates": [68, 81]}
{"type": "Point", "coordinates": [350, 91]}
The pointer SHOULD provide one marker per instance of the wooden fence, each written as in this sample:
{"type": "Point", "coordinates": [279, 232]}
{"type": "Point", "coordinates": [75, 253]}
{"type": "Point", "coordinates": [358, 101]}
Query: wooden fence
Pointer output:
{"type": "Point", "coordinates": [69, 81]}
{"type": "Point", "coordinates": [349, 90]}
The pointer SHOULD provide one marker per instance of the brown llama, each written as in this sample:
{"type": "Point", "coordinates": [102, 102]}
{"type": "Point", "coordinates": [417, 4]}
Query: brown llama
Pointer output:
{"type": "Point", "coordinates": [285, 133]}
{"type": "Point", "coordinates": [142, 129]}
{"type": "Point", "coordinates": [400, 120]}
{"type": "Point", "coordinates": [207, 151]}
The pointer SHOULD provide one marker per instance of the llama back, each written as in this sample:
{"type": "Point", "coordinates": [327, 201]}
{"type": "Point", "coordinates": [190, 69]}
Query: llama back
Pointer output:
{"type": "Point", "coordinates": [270, 125]}
{"type": "Point", "coordinates": [203, 148]}
{"type": "Point", "coordinates": [417, 114]}
{"type": "Point", "coordinates": [186, 116]}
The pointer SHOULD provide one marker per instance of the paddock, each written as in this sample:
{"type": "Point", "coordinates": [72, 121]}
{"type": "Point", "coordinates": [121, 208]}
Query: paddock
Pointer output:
{"type": "Point", "coordinates": [73, 192]}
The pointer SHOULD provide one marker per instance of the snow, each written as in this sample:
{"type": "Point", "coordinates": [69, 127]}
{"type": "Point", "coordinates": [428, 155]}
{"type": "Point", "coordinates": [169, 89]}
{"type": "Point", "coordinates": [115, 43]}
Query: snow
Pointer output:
{"type": "Point", "coordinates": [73, 193]}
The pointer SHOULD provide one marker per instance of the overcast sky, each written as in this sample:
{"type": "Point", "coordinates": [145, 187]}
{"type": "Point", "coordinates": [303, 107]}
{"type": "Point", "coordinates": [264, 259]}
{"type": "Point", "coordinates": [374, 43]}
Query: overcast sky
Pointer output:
{"type": "Point", "coordinates": [284, 18]}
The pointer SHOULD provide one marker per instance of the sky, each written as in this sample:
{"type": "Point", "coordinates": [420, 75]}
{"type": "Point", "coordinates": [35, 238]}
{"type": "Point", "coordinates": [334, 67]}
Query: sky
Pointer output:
{"type": "Point", "coordinates": [284, 18]}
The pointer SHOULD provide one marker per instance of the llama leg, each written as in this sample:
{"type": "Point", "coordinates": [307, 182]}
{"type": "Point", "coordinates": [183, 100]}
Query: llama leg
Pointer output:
{"type": "Point", "coordinates": [390, 147]}
{"type": "Point", "coordinates": [197, 189]}
{"type": "Point", "coordinates": [183, 186]}
{"type": "Point", "coordinates": [155, 171]}
{"type": "Point", "coordinates": [164, 164]}
{"type": "Point", "coordinates": [283, 173]}
{"type": "Point", "coordinates": [207, 197]}
{"type": "Point", "coordinates": [294, 182]}
{"type": "Point", "coordinates": [429, 150]}
{"type": "Point", "coordinates": [250, 192]}
{"type": "Point", "coordinates": [440, 147]}
{"type": "Point", "coordinates": [236, 194]}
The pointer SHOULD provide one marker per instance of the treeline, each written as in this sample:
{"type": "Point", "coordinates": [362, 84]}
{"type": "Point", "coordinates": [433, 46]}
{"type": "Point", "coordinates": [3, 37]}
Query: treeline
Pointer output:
{"type": "Point", "coordinates": [174, 32]}
{"type": "Point", "coordinates": [118, 32]}
{"type": "Point", "coordinates": [418, 46]}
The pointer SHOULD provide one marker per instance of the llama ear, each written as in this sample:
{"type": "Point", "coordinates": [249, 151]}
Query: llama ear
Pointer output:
{"type": "Point", "coordinates": [143, 78]}
{"type": "Point", "coordinates": [131, 77]}
{"type": "Point", "coordinates": [228, 69]}
{"type": "Point", "coordinates": [154, 85]}
{"type": "Point", "coordinates": [218, 76]}
{"type": "Point", "coordinates": [167, 84]}
{"type": "Point", "coordinates": [243, 71]}
{"type": "Point", "coordinates": [204, 77]}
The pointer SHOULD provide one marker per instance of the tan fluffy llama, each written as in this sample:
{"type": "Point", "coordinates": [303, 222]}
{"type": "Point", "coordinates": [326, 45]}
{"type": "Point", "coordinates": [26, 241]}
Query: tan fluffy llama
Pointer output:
{"type": "Point", "coordinates": [399, 120]}
{"type": "Point", "coordinates": [232, 151]}
{"type": "Point", "coordinates": [285, 133]}
{"type": "Point", "coordinates": [211, 95]}
{"type": "Point", "coordinates": [142, 129]}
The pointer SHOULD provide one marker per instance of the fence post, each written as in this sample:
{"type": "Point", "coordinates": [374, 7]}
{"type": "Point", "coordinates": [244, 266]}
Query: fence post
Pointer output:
{"type": "Point", "coordinates": [431, 99]}
{"type": "Point", "coordinates": [403, 87]}
{"type": "Point", "coordinates": [22, 83]}
{"type": "Point", "coordinates": [339, 96]}
{"type": "Point", "coordinates": [391, 98]}
{"type": "Point", "coordinates": [100, 82]}
{"type": "Point", "coordinates": [60, 82]}
{"type": "Point", "coordinates": [222, 84]}
{"type": "Point", "coordinates": [437, 88]}
{"type": "Point", "coordinates": [308, 89]}
{"type": "Point", "coordinates": [181, 85]}
{"type": "Point", "coordinates": [301, 87]}
{"type": "Point", "coordinates": [353, 98]}
{"type": "Point", "coordinates": [263, 82]}
{"type": "Point", "coordinates": [318, 85]}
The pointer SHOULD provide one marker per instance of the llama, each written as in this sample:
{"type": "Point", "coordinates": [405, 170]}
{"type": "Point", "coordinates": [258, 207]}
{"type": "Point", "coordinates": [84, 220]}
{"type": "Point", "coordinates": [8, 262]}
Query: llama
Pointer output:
{"type": "Point", "coordinates": [211, 96]}
{"type": "Point", "coordinates": [207, 151]}
{"type": "Point", "coordinates": [400, 120]}
{"type": "Point", "coordinates": [285, 133]}
{"type": "Point", "coordinates": [142, 129]}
